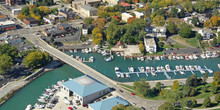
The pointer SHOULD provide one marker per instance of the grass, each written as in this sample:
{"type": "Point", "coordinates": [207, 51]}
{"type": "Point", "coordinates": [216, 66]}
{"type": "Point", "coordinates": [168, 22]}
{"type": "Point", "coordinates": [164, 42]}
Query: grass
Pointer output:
{"type": "Point", "coordinates": [188, 41]}
{"type": "Point", "coordinates": [175, 45]}
{"type": "Point", "coordinates": [157, 53]}
{"type": "Point", "coordinates": [70, 42]}
{"type": "Point", "coordinates": [27, 41]}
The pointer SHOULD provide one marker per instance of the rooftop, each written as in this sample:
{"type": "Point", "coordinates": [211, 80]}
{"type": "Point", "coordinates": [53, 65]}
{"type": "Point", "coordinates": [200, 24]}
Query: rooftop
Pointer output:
{"type": "Point", "coordinates": [108, 103]}
{"type": "Point", "coordinates": [87, 7]}
{"type": "Point", "coordinates": [150, 41]}
{"type": "Point", "coordinates": [84, 85]}
{"type": "Point", "coordinates": [3, 16]}
{"type": "Point", "coordinates": [7, 22]}
{"type": "Point", "coordinates": [65, 25]}
{"type": "Point", "coordinates": [30, 19]}
{"type": "Point", "coordinates": [125, 4]}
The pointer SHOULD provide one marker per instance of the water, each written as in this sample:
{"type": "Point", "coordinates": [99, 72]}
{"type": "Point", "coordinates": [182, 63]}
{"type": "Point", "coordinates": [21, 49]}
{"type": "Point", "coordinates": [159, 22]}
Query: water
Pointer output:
{"type": "Point", "coordinates": [30, 93]}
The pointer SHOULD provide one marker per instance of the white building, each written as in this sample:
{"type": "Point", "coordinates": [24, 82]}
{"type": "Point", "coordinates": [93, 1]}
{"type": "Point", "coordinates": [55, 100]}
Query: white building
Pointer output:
{"type": "Point", "coordinates": [84, 29]}
{"type": "Point", "coordinates": [188, 20]}
{"type": "Point", "coordinates": [88, 10]}
{"type": "Point", "coordinates": [84, 89]}
{"type": "Point", "coordinates": [156, 31]}
{"type": "Point", "coordinates": [16, 11]}
{"type": "Point", "coordinates": [139, 14]}
{"type": "Point", "coordinates": [206, 33]}
{"type": "Point", "coordinates": [150, 45]}
{"type": "Point", "coordinates": [125, 16]}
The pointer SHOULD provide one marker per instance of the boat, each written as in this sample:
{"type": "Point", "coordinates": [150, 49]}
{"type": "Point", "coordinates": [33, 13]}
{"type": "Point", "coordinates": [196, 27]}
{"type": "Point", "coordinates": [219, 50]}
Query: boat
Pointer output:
{"type": "Point", "coordinates": [162, 68]}
{"type": "Point", "coordinates": [86, 51]}
{"type": "Point", "coordinates": [181, 67]}
{"type": "Point", "coordinates": [75, 50]}
{"type": "Point", "coordinates": [142, 69]}
{"type": "Point", "coordinates": [105, 54]}
{"type": "Point", "coordinates": [177, 67]}
{"type": "Point", "coordinates": [187, 57]}
{"type": "Point", "coordinates": [71, 51]}
{"type": "Point", "coordinates": [153, 71]}
{"type": "Point", "coordinates": [170, 57]}
{"type": "Point", "coordinates": [122, 75]}
{"type": "Point", "coordinates": [214, 55]}
{"type": "Point", "coordinates": [182, 72]}
{"type": "Point", "coordinates": [149, 58]}
{"type": "Point", "coordinates": [127, 75]}
{"type": "Point", "coordinates": [190, 57]}
{"type": "Point", "coordinates": [202, 71]}
{"type": "Point", "coordinates": [131, 69]}
{"type": "Point", "coordinates": [91, 58]}
{"type": "Point", "coordinates": [147, 69]}
{"type": "Point", "coordinates": [162, 57]}
{"type": "Point", "coordinates": [83, 51]}
{"type": "Point", "coordinates": [142, 58]}
{"type": "Point", "coordinates": [108, 59]}
{"type": "Point", "coordinates": [138, 58]}
{"type": "Point", "coordinates": [90, 49]}
{"type": "Point", "coordinates": [174, 57]}
{"type": "Point", "coordinates": [167, 66]}
{"type": "Point", "coordinates": [181, 57]}
{"type": "Point", "coordinates": [218, 65]}
{"type": "Point", "coordinates": [195, 56]}
{"type": "Point", "coordinates": [117, 69]}
{"type": "Point", "coordinates": [118, 74]}
{"type": "Point", "coordinates": [191, 67]}
{"type": "Point", "coordinates": [118, 54]}
{"type": "Point", "coordinates": [157, 58]}
{"type": "Point", "coordinates": [207, 55]}
{"type": "Point", "coordinates": [202, 56]}
{"type": "Point", "coordinates": [41, 100]}
{"type": "Point", "coordinates": [122, 54]}
{"type": "Point", "coordinates": [210, 71]}
{"type": "Point", "coordinates": [158, 69]}
{"type": "Point", "coordinates": [196, 67]}
{"type": "Point", "coordinates": [187, 67]}
{"type": "Point", "coordinates": [99, 51]}
{"type": "Point", "coordinates": [29, 107]}
{"type": "Point", "coordinates": [38, 106]}
{"type": "Point", "coordinates": [178, 57]}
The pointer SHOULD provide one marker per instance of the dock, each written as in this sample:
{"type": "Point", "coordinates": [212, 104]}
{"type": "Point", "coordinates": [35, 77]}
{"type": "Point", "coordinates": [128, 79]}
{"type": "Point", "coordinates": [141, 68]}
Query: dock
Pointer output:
{"type": "Point", "coordinates": [83, 60]}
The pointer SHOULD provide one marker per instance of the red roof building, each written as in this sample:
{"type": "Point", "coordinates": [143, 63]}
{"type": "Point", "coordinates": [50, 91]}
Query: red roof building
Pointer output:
{"type": "Point", "coordinates": [125, 5]}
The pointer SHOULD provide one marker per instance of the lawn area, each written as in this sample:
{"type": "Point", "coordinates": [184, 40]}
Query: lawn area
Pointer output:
{"type": "Point", "coordinates": [188, 41]}
{"type": "Point", "coordinates": [175, 45]}
{"type": "Point", "coordinates": [157, 53]}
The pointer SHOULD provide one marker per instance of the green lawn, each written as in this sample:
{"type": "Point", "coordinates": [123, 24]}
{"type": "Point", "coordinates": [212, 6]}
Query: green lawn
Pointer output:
{"type": "Point", "coordinates": [157, 53]}
{"type": "Point", "coordinates": [175, 45]}
{"type": "Point", "coordinates": [188, 41]}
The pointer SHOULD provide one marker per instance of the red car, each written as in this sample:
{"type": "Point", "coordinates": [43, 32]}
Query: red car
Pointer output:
{"type": "Point", "coordinates": [133, 94]}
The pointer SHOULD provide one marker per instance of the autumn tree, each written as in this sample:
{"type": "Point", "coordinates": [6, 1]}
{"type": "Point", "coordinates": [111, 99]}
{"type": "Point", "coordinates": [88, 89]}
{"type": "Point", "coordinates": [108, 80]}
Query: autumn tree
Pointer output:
{"type": "Point", "coordinates": [175, 85]}
{"type": "Point", "coordinates": [88, 20]}
{"type": "Point", "coordinates": [188, 6]}
{"type": "Point", "coordinates": [141, 47]}
{"type": "Point", "coordinates": [97, 39]}
{"type": "Point", "coordinates": [212, 22]}
{"type": "Point", "coordinates": [44, 10]}
{"type": "Point", "coordinates": [147, 10]}
{"type": "Point", "coordinates": [99, 22]}
{"type": "Point", "coordinates": [158, 20]}
{"type": "Point", "coordinates": [131, 19]}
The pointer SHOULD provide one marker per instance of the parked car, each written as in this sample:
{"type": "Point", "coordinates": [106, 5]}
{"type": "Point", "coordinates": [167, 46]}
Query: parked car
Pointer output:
{"type": "Point", "coordinates": [121, 91]}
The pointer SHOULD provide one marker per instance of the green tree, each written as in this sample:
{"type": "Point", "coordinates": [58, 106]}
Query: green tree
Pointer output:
{"type": "Point", "coordinates": [189, 91]}
{"type": "Point", "coordinates": [217, 98]}
{"type": "Point", "coordinates": [214, 41]}
{"type": "Point", "coordinates": [185, 31]}
{"type": "Point", "coordinates": [171, 27]}
{"type": "Point", "coordinates": [200, 6]}
{"type": "Point", "coordinates": [9, 50]}
{"type": "Point", "coordinates": [215, 13]}
{"type": "Point", "coordinates": [37, 59]}
{"type": "Point", "coordinates": [207, 102]}
{"type": "Point", "coordinates": [118, 8]}
{"type": "Point", "coordinates": [214, 87]}
{"type": "Point", "coordinates": [158, 85]}
{"type": "Point", "coordinates": [191, 103]}
{"type": "Point", "coordinates": [216, 76]}
{"type": "Point", "coordinates": [88, 20]}
{"type": "Point", "coordinates": [141, 47]}
{"type": "Point", "coordinates": [54, 10]}
{"type": "Point", "coordinates": [181, 14]}
{"type": "Point", "coordinates": [25, 11]}
{"type": "Point", "coordinates": [175, 85]}
{"type": "Point", "coordinates": [6, 63]}
{"type": "Point", "coordinates": [158, 20]}
{"type": "Point", "coordinates": [166, 106]}
{"type": "Point", "coordinates": [205, 77]}
{"type": "Point", "coordinates": [198, 36]}
{"type": "Point", "coordinates": [195, 21]}
{"type": "Point", "coordinates": [188, 6]}
{"type": "Point", "coordinates": [143, 88]}
{"type": "Point", "coordinates": [173, 12]}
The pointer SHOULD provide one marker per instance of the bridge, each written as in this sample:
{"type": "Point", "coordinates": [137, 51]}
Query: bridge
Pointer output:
{"type": "Point", "coordinates": [29, 34]}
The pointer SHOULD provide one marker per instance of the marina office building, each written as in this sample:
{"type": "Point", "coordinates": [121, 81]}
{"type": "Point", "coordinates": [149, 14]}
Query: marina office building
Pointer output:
{"type": "Point", "coordinates": [84, 89]}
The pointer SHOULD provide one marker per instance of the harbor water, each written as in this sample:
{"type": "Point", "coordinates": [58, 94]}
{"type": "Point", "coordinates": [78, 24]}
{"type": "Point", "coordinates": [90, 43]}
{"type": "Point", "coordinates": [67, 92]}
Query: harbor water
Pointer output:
{"type": "Point", "coordinates": [30, 93]}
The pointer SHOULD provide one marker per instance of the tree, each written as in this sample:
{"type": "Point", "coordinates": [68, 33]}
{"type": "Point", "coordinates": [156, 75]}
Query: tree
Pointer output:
{"type": "Point", "coordinates": [171, 27]}
{"type": "Point", "coordinates": [147, 10]}
{"type": "Point", "coordinates": [212, 22]}
{"type": "Point", "coordinates": [185, 31]}
{"type": "Point", "coordinates": [188, 6]}
{"type": "Point", "coordinates": [44, 10]}
{"type": "Point", "coordinates": [173, 12]}
{"type": "Point", "coordinates": [141, 47]}
{"type": "Point", "coordinates": [37, 59]}
{"type": "Point", "coordinates": [97, 39]}
{"type": "Point", "coordinates": [217, 98]}
{"type": "Point", "coordinates": [6, 63]}
{"type": "Point", "coordinates": [195, 21]}
{"type": "Point", "coordinates": [54, 10]}
{"type": "Point", "coordinates": [188, 91]}
{"type": "Point", "coordinates": [25, 11]}
{"type": "Point", "coordinates": [215, 13]}
{"type": "Point", "coordinates": [99, 22]}
{"type": "Point", "coordinates": [216, 76]}
{"type": "Point", "coordinates": [158, 20]}
{"type": "Point", "coordinates": [198, 36]}
{"type": "Point", "coordinates": [207, 102]}
{"type": "Point", "coordinates": [175, 85]}
{"type": "Point", "coordinates": [96, 31]}
{"type": "Point", "coordinates": [205, 77]}
{"type": "Point", "coordinates": [158, 85]}
{"type": "Point", "coordinates": [166, 106]}
{"type": "Point", "coordinates": [214, 41]}
{"type": "Point", "coordinates": [192, 81]}
{"type": "Point", "coordinates": [9, 50]}
{"type": "Point", "coordinates": [143, 88]}
{"type": "Point", "coordinates": [181, 14]}
{"type": "Point", "coordinates": [191, 103]}
{"type": "Point", "coordinates": [200, 6]}
{"type": "Point", "coordinates": [118, 8]}
{"type": "Point", "coordinates": [214, 87]}
{"type": "Point", "coordinates": [88, 20]}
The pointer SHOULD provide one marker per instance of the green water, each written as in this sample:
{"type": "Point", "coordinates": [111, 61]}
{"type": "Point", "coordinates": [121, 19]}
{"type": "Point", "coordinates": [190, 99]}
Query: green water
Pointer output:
{"type": "Point", "coordinates": [30, 93]}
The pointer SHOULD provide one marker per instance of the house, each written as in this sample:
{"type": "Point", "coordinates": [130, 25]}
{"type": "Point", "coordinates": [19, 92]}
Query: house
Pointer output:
{"type": "Point", "coordinates": [16, 11]}
{"type": "Point", "coordinates": [3, 17]}
{"type": "Point", "coordinates": [150, 45]}
{"type": "Point", "coordinates": [56, 18]}
{"type": "Point", "coordinates": [107, 104]}
{"type": "Point", "coordinates": [66, 14]}
{"type": "Point", "coordinates": [48, 20]}
{"type": "Point", "coordinates": [53, 32]}
{"type": "Point", "coordinates": [84, 89]}
{"type": "Point", "coordinates": [7, 25]}
{"type": "Point", "coordinates": [65, 27]}
{"type": "Point", "coordinates": [179, 8]}
{"type": "Point", "coordinates": [85, 29]}
{"type": "Point", "coordinates": [141, 5]}
{"type": "Point", "coordinates": [202, 18]}
{"type": "Point", "coordinates": [76, 4]}
{"type": "Point", "coordinates": [126, 6]}
{"type": "Point", "coordinates": [125, 16]}
{"type": "Point", "coordinates": [14, 40]}
{"type": "Point", "coordinates": [206, 33]}
{"type": "Point", "coordinates": [113, 2]}
{"type": "Point", "coordinates": [119, 45]}
{"type": "Point", "coordinates": [156, 31]}
{"type": "Point", "coordinates": [139, 15]}
{"type": "Point", "coordinates": [88, 10]}
{"type": "Point", "coordinates": [188, 20]}
{"type": "Point", "coordinates": [30, 21]}
{"type": "Point", "coordinates": [13, 2]}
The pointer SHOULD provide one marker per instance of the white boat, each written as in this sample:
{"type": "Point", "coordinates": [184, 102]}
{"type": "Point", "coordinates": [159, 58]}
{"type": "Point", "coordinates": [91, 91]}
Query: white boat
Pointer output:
{"type": "Point", "coordinates": [177, 67]}
{"type": "Point", "coordinates": [209, 70]}
{"type": "Point", "coordinates": [127, 75]}
{"type": "Point", "coordinates": [181, 67]}
{"type": "Point", "coordinates": [122, 75]}
{"type": "Point", "coordinates": [191, 67]}
{"type": "Point", "coordinates": [86, 51]}
{"type": "Point", "coordinates": [157, 58]}
{"type": "Point", "coordinates": [158, 68]}
{"type": "Point", "coordinates": [202, 56]}
{"type": "Point", "coordinates": [142, 58]}
{"type": "Point", "coordinates": [75, 51]}
{"type": "Point", "coordinates": [170, 57]}
{"type": "Point", "coordinates": [138, 58]}
{"type": "Point", "coordinates": [29, 107]}
{"type": "Point", "coordinates": [174, 57]}
{"type": "Point", "coordinates": [142, 69]}
{"type": "Point", "coordinates": [41, 100]}
{"type": "Point", "coordinates": [207, 55]}
{"type": "Point", "coordinates": [149, 58]}
{"type": "Point", "coordinates": [131, 69]}
{"type": "Point", "coordinates": [202, 71]}
{"type": "Point", "coordinates": [178, 57]}
{"type": "Point", "coordinates": [196, 67]}
{"type": "Point", "coordinates": [182, 72]}
{"type": "Point", "coordinates": [71, 51]}
{"type": "Point", "coordinates": [167, 66]}
{"type": "Point", "coordinates": [38, 106]}
{"type": "Point", "coordinates": [118, 54]}
{"type": "Point", "coordinates": [108, 59]}
{"type": "Point", "coordinates": [99, 51]}
{"type": "Point", "coordinates": [118, 74]}
{"type": "Point", "coordinates": [147, 69]}
{"type": "Point", "coordinates": [218, 65]}
{"type": "Point", "coordinates": [153, 71]}
{"type": "Point", "coordinates": [214, 55]}
{"type": "Point", "coordinates": [162, 57]}
{"type": "Point", "coordinates": [187, 67]}
{"type": "Point", "coordinates": [190, 57]}
{"type": "Point", "coordinates": [90, 49]}
{"type": "Point", "coordinates": [105, 54]}
{"type": "Point", "coordinates": [117, 69]}
{"type": "Point", "coordinates": [162, 68]}
{"type": "Point", "coordinates": [181, 57]}
{"type": "Point", "coordinates": [83, 51]}
{"type": "Point", "coordinates": [122, 54]}
{"type": "Point", "coordinates": [91, 59]}
{"type": "Point", "coordinates": [195, 56]}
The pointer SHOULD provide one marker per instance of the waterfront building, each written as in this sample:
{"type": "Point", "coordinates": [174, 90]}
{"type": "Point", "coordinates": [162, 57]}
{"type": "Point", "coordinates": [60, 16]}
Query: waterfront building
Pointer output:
{"type": "Point", "coordinates": [139, 15]}
{"type": "Point", "coordinates": [30, 21]}
{"type": "Point", "coordinates": [56, 18]}
{"type": "Point", "coordinates": [150, 45]}
{"type": "Point", "coordinates": [108, 103]}
{"type": "Point", "coordinates": [84, 89]}
{"type": "Point", "coordinates": [156, 31]}
{"type": "Point", "coordinates": [125, 16]}
{"type": "Point", "coordinates": [114, 2]}
{"type": "Point", "coordinates": [206, 33]}
{"type": "Point", "coordinates": [88, 10]}
{"type": "Point", "coordinates": [84, 29]}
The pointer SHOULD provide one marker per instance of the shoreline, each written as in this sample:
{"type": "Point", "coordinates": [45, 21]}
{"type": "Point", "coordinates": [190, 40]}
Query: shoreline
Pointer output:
{"type": "Point", "coordinates": [167, 82]}
{"type": "Point", "coordinates": [24, 82]}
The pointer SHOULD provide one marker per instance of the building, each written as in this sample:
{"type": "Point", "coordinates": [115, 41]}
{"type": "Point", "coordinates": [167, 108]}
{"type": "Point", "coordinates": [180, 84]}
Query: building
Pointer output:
{"type": "Point", "coordinates": [13, 2]}
{"type": "Point", "coordinates": [113, 2]}
{"type": "Point", "coordinates": [206, 33]}
{"type": "Point", "coordinates": [84, 89]}
{"type": "Point", "coordinates": [76, 4]}
{"type": "Point", "coordinates": [16, 11]}
{"type": "Point", "coordinates": [125, 16]}
{"type": "Point", "coordinates": [119, 45]}
{"type": "Point", "coordinates": [202, 18]}
{"type": "Point", "coordinates": [3, 17]}
{"type": "Point", "coordinates": [156, 31]}
{"type": "Point", "coordinates": [150, 45]}
{"type": "Point", "coordinates": [139, 15]}
{"type": "Point", "coordinates": [65, 27]}
{"type": "Point", "coordinates": [14, 40]}
{"type": "Point", "coordinates": [141, 5]}
{"type": "Point", "coordinates": [30, 21]}
{"type": "Point", "coordinates": [56, 18]}
{"type": "Point", "coordinates": [66, 14]}
{"type": "Point", "coordinates": [126, 6]}
{"type": "Point", "coordinates": [88, 10]}
{"type": "Point", "coordinates": [84, 29]}
{"type": "Point", "coordinates": [188, 20]}
{"type": "Point", "coordinates": [107, 104]}
{"type": "Point", "coordinates": [53, 32]}
{"type": "Point", "coordinates": [7, 25]}
{"type": "Point", "coordinates": [48, 20]}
